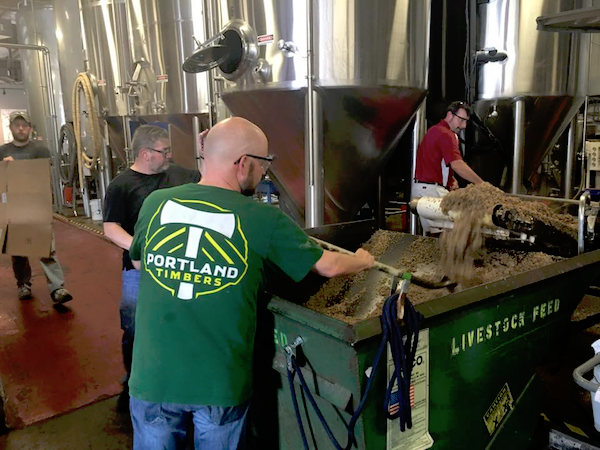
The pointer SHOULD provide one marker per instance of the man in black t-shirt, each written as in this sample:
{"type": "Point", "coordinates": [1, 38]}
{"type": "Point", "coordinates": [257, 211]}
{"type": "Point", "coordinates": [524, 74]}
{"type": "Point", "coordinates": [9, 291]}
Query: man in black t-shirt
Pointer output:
{"type": "Point", "coordinates": [151, 170]}
{"type": "Point", "coordinates": [22, 147]}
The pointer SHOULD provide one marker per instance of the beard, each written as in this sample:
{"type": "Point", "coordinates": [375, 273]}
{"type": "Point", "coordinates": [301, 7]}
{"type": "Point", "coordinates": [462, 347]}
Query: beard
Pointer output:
{"type": "Point", "coordinates": [246, 187]}
{"type": "Point", "coordinates": [21, 137]}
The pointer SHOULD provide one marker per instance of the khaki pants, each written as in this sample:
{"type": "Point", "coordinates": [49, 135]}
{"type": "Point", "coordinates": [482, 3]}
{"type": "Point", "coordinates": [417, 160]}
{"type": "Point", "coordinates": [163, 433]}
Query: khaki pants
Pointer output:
{"type": "Point", "coordinates": [430, 190]}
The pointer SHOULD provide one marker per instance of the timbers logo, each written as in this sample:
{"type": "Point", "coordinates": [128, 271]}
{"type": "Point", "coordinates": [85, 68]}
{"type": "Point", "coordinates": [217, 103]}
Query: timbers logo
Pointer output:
{"type": "Point", "coordinates": [195, 248]}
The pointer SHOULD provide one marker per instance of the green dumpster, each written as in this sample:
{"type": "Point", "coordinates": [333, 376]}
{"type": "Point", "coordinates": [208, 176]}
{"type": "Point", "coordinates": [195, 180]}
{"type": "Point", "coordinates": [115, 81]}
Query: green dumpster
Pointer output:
{"type": "Point", "coordinates": [473, 383]}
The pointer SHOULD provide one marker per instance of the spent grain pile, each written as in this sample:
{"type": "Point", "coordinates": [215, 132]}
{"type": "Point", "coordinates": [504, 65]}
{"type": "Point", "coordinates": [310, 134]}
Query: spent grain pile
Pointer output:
{"type": "Point", "coordinates": [462, 245]}
{"type": "Point", "coordinates": [351, 300]}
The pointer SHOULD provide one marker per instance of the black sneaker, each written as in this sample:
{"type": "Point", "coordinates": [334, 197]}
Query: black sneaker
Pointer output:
{"type": "Point", "coordinates": [60, 296]}
{"type": "Point", "coordinates": [24, 292]}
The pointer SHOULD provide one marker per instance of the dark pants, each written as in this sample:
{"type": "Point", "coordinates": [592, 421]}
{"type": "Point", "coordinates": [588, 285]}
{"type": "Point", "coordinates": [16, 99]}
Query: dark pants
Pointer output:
{"type": "Point", "coordinates": [51, 266]}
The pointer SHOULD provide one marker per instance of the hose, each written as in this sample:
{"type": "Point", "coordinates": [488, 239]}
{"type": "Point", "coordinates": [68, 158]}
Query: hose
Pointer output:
{"type": "Point", "coordinates": [84, 83]}
{"type": "Point", "coordinates": [403, 355]}
{"type": "Point", "coordinates": [66, 168]}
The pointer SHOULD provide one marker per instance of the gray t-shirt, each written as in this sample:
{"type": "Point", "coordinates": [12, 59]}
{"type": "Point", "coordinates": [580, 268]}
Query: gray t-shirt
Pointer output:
{"type": "Point", "coordinates": [33, 150]}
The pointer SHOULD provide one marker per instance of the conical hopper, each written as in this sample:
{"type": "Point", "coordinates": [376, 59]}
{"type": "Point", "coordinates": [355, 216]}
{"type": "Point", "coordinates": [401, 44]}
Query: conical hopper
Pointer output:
{"type": "Point", "coordinates": [360, 128]}
{"type": "Point", "coordinates": [546, 117]}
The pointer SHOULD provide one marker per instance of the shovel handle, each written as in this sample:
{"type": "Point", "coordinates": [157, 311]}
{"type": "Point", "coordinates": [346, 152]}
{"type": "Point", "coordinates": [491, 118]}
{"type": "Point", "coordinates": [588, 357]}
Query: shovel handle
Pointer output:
{"type": "Point", "coordinates": [389, 269]}
{"type": "Point", "coordinates": [379, 266]}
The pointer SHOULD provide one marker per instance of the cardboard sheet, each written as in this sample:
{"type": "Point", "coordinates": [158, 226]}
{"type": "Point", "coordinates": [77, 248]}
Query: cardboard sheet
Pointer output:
{"type": "Point", "coordinates": [25, 207]}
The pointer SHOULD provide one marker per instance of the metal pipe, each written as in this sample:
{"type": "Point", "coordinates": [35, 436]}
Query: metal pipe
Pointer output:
{"type": "Point", "coordinates": [519, 144]}
{"type": "Point", "coordinates": [127, 135]}
{"type": "Point", "coordinates": [587, 366]}
{"type": "Point", "coordinates": [313, 153]}
{"type": "Point", "coordinates": [102, 182]}
{"type": "Point", "coordinates": [472, 49]}
{"type": "Point", "coordinates": [444, 40]}
{"type": "Point", "coordinates": [584, 156]}
{"type": "Point", "coordinates": [209, 30]}
{"type": "Point", "coordinates": [418, 131]}
{"type": "Point", "coordinates": [195, 133]}
{"type": "Point", "coordinates": [584, 201]}
{"type": "Point", "coordinates": [52, 113]}
{"type": "Point", "coordinates": [380, 213]}
{"type": "Point", "coordinates": [107, 169]}
{"type": "Point", "coordinates": [179, 39]}
{"type": "Point", "coordinates": [570, 157]}
{"type": "Point", "coordinates": [540, 198]}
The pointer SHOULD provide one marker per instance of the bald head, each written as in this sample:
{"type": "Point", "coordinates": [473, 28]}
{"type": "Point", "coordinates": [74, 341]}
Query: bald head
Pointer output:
{"type": "Point", "coordinates": [231, 149]}
{"type": "Point", "coordinates": [231, 138]}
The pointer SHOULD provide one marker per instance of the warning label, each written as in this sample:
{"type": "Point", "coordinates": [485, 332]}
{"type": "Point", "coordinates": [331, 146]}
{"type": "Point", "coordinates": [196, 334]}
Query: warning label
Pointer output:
{"type": "Point", "coordinates": [500, 407]}
{"type": "Point", "coordinates": [163, 78]}
{"type": "Point", "coordinates": [265, 39]}
{"type": "Point", "coordinates": [417, 437]}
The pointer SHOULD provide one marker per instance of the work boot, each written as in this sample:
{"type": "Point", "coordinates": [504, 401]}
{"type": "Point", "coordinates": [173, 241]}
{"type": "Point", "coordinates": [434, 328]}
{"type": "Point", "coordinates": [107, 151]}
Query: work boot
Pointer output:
{"type": "Point", "coordinates": [24, 292]}
{"type": "Point", "coordinates": [60, 296]}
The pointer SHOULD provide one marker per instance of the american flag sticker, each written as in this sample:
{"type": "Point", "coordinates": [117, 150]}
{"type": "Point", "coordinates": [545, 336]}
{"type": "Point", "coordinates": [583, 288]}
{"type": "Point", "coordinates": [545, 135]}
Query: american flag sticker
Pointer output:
{"type": "Point", "coordinates": [394, 405]}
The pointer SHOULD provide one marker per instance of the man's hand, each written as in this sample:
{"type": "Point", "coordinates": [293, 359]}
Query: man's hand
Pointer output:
{"type": "Point", "coordinates": [365, 257]}
{"type": "Point", "coordinates": [8, 158]}
{"type": "Point", "coordinates": [454, 185]}
{"type": "Point", "coordinates": [334, 264]}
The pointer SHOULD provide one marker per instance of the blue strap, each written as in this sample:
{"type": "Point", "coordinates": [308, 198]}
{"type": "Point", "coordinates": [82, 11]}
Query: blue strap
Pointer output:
{"type": "Point", "coordinates": [403, 356]}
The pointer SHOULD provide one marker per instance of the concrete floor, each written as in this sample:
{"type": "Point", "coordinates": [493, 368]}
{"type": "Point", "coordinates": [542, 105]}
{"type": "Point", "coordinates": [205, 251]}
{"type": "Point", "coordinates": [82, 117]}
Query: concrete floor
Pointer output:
{"type": "Point", "coordinates": [94, 427]}
{"type": "Point", "coordinates": [57, 359]}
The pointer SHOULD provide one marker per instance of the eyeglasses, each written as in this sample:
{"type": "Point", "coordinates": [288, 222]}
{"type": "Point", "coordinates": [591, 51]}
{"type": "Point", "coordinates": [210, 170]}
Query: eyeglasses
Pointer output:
{"type": "Point", "coordinates": [461, 118]}
{"type": "Point", "coordinates": [165, 151]}
{"type": "Point", "coordinates": [265, 161]}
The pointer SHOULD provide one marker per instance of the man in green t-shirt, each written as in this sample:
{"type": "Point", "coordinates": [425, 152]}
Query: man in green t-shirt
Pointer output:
{"type": "Point", "coordinates": [202, 250]}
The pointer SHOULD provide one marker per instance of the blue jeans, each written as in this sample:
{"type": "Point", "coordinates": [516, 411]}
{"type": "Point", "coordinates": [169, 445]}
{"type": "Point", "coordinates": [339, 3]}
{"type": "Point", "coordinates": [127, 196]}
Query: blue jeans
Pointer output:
{"type": "Point", "coordinates": [130, 284]}
{"type": "Point", "coordinates": [162, 426]}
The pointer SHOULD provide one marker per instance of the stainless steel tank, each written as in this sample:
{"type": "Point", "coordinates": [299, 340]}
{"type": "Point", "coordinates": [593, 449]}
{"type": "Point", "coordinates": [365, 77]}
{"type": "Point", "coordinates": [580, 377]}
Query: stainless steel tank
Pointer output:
{"type": "Point", "coordinates": [35, 26]}
{"type": "Point", "coordinates": [70, 49]}
{"type": "Point", "coordinates": [528, 99]}
{"type": "Point", "coordinates": [107, 52]}
{"type": "Point", "coordinates": [594, 81]}
{"type": "Point", "coordinates": [161, 35]}
{"type": "Point", "coordinates": [366, 64]}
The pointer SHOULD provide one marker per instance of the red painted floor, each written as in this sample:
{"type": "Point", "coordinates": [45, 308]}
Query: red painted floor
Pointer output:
{"type": "Point", "coordinates": [53, 361]}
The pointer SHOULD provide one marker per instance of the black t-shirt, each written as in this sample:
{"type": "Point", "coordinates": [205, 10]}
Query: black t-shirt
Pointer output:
{"type": "Point", "coordinates": [33, 150]}
{"type": "Point", "coordinates": [127, 192]}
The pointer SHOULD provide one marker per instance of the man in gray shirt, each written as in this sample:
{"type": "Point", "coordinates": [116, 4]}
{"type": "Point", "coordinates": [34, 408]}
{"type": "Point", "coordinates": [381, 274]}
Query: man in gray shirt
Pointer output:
{"type": "Point", "coordinates": [22, 147]}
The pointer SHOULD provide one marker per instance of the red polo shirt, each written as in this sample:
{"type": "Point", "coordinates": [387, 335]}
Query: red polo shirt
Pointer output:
{"type": "Point", "coordinates": [439, 143]}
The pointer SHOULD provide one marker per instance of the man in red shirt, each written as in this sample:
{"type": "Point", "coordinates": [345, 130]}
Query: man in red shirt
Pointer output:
{"type": "Point", "coordinates": [439, 157]}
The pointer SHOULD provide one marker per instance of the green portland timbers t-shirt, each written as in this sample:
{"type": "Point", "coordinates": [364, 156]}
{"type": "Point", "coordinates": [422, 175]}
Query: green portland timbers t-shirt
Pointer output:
{"type": "Point", "coordinates": [204, 252]}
